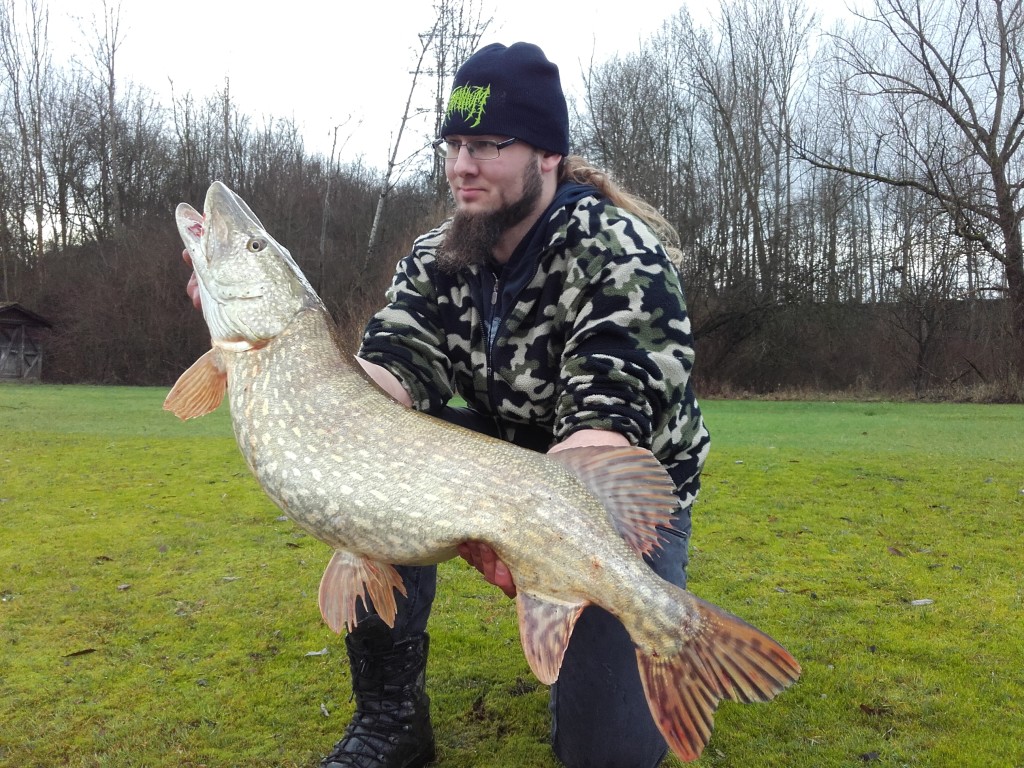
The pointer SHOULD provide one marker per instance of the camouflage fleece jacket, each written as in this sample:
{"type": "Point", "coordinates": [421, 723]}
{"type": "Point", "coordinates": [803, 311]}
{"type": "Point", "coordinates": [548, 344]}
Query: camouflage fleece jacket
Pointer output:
{"type": "Point", "coordinates": [585, 327]}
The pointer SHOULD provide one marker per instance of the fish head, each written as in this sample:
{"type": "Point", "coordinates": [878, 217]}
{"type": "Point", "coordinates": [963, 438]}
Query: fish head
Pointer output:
{"type": "Point", "coordinates": [251, 288]}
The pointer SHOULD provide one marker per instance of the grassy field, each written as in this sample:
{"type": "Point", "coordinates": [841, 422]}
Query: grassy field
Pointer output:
{"type": "Point", "coordinates": [155, 611]}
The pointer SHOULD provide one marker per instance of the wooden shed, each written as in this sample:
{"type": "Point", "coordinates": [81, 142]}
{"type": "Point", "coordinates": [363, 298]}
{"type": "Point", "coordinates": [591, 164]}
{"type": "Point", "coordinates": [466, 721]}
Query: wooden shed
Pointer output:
{"type": "Point", "coordinates": [21, 348]}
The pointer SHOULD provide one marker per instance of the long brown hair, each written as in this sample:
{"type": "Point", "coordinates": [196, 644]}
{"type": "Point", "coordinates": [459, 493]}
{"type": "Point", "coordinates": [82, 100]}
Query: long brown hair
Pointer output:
{"type": "Point", "coordinates": [576, 169]}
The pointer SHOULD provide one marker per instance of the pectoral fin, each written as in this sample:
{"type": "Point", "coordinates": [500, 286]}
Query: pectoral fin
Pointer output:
{"type": "Point", "coordinates": [349, 578]}
{"type": "Point", "coordinates": [632, 485]}
{"type": "Point", "coordinates": [200, 389]}
{"type": "Point", "coordinates": [545, 627]}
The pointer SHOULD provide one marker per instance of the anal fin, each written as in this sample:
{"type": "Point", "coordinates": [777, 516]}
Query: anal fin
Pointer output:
{"type": "Point", "coordinates": [545, 627]}
{"type": "Point", "coordinates": [348, 578]}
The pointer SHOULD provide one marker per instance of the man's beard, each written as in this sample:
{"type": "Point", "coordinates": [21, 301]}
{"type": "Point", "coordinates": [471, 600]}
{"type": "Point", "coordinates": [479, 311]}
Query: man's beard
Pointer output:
{"type": "Point", "coordinates": [471, 237]}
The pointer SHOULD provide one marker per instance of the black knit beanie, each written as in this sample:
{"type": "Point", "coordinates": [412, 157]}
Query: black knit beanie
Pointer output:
{"type": "Point", "coordinates": [509, 91]}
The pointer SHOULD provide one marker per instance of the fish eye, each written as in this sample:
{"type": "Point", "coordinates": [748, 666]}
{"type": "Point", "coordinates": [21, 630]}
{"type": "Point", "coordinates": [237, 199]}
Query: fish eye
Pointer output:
{"type": "Point", "coordinates": [256, 244]}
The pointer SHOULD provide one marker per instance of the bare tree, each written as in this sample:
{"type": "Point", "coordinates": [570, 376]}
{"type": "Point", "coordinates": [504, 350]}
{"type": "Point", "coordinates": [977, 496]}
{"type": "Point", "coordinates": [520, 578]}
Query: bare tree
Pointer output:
{"type": "Point", "coordinates": [9, 167]}
{"type": "Point", "coordinates": [743, 75]}
{"type": "Point", "coordinates": [922, 277]}
{"type": "Point", "coordinates": [330, 174]}
{"type": "Point", "coordinates": [653, 124]}
{"type": "Point", "coordinates": [25, 59]}
{"type": "Point", "coordinates": [393, 170]}
{"type": "Point", "coordinates": [458, 27]}
{"type": "Point", "coordinates": [193, 145]}
{"type": "Point", "coordinates": [144, 155]}
{"type": "Point", "coordinates": [67, 122]}
{"type": "Point", "coordinates": [107, 39]}
{"type": "Point", "coordinates": [948, 80]}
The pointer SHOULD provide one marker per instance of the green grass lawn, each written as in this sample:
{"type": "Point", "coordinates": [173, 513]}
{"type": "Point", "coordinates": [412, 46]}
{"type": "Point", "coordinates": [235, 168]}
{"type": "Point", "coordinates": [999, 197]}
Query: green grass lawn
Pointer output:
{"type": "Point", "coordinates": [155, 611]}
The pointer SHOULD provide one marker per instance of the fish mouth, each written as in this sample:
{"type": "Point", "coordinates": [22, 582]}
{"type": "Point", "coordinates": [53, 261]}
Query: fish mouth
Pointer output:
{"type": "Point", "coordinates": [191, 227]}
{"type": "Point", "coordinates": [233, 286]}
{"type": "Point", "coordinates": [193, 230]}
{"type": "Point", "coordinates": [215, 295]}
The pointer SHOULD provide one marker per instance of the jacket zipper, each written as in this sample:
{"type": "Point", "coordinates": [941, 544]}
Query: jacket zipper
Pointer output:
{"type": "Point", "coordinates": [491, 321]}
{"type": "Point", "coordinates": [491, 329]}
{"type": "Point", "coordinates": [490, 324]}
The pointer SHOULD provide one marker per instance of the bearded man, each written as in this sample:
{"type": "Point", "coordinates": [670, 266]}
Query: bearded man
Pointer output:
{"type": "Point", "coordinates": [549, 304]}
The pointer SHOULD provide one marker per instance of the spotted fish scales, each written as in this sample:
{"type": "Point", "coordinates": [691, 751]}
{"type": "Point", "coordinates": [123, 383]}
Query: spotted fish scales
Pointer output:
{"type": "Point", "coordinates": [384, 485]}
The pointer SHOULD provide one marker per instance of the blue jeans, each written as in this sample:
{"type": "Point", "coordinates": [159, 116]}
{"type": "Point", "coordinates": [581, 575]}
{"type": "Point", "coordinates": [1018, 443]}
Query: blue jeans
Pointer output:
{"type": "Point", "coordinates": [599, 714]}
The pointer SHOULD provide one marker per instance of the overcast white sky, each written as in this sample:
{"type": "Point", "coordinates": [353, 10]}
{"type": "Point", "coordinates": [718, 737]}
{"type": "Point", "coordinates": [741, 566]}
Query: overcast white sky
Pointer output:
{"type": "Point", "coordinates": [324, 62]}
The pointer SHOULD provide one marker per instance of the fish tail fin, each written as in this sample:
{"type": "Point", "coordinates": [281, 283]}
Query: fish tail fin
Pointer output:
{"type": "Point", "coordinates": [722, 657]}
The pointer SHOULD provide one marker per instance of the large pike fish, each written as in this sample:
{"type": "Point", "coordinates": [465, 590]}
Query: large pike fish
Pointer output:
{"type": "Point", "coordinates": [383, 484]}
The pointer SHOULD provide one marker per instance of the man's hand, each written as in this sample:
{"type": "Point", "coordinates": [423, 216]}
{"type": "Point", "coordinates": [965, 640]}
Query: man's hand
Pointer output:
{"type": "Point", "coordinates": [192, 289]}
{"type": "Point", "coordinates": [484, 559]}
{"type": "Point", "coordinates": [386, 380]}
{"type": "Point", "coordinates": [586, 438]}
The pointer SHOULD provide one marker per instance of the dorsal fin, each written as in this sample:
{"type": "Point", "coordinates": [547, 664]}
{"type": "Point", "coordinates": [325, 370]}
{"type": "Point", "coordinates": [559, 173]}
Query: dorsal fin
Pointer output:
{"type": "Point", "coordinates": [631, 484]}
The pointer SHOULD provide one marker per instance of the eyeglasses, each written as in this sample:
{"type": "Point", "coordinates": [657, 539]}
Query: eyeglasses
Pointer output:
{"type": "Point", "coordinates": [479, 149]}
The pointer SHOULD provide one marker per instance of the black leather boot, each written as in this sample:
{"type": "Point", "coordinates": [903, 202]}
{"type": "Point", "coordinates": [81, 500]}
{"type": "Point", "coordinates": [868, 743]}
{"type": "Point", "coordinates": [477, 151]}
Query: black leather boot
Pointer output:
{"type": "Point", "coordinates": [391, 725]}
